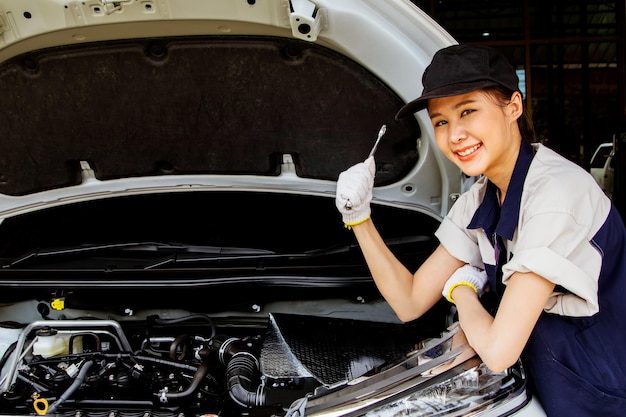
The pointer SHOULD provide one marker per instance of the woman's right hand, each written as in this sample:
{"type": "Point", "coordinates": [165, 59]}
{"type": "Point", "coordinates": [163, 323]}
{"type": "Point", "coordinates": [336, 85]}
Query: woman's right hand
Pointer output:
{"type": "Point", "coordinates": [354, 192]}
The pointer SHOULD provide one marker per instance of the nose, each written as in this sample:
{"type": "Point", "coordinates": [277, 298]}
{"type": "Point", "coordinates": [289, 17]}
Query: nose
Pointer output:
{"type": "Point", "coordinates": [457, 132]}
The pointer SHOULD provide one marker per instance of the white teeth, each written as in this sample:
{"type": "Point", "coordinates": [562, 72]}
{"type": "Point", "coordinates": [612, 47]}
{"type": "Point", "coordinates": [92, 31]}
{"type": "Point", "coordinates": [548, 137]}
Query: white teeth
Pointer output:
{"type": "Point", "coordinates": [469, 151]}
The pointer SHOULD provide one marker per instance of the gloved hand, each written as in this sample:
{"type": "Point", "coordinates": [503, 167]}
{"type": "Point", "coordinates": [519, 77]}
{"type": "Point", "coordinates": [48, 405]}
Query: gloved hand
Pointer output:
{"type": "Point", "coordinates": [466, 275]}
{"type": "Point", "coordinates": [354, 192]}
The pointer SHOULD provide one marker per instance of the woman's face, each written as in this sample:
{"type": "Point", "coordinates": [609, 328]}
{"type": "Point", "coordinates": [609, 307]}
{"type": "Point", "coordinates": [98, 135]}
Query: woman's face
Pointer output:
{"type": "Point", "coordinates": [478, 133]}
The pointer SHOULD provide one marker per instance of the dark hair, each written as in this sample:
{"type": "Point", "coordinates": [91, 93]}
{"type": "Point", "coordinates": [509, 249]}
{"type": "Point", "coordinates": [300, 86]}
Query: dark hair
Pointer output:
{"type": "Point", "coordinates": [524, 122]}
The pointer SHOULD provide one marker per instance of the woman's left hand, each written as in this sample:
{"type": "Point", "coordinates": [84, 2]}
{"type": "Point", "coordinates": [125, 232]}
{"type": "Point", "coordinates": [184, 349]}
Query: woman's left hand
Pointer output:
{"type": "Point", "coordinates": [466, 275]}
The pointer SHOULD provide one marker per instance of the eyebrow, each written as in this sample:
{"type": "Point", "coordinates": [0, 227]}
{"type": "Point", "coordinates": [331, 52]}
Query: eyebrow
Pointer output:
{"type": "Point", "coordinates": [456, 106]}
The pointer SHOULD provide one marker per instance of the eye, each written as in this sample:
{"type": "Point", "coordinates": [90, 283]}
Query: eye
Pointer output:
{"type": "Point", "coordinates": [437, 123]}
{"type": "Point", "coordinates": [466, 112]}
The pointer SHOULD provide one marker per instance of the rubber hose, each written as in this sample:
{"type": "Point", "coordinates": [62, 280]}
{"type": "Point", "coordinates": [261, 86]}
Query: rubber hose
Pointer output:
{"type": "Point", "coordinates": [72, 388]}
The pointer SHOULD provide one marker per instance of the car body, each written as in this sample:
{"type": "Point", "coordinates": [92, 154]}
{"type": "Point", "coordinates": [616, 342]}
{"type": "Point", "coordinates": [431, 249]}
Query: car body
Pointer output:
{"type": "Point", "coordinates": [168, 236]}
{"type": "Point", "coordinates": [601, 167]}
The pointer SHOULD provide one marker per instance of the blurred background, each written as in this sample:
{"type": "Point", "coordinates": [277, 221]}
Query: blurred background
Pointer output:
{"type": "Point", "coordinates": [571, 60]}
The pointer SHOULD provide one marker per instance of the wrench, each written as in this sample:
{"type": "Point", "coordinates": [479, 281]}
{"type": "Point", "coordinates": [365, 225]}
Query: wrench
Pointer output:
{"type": "Point", "coordinates": [381, 132]}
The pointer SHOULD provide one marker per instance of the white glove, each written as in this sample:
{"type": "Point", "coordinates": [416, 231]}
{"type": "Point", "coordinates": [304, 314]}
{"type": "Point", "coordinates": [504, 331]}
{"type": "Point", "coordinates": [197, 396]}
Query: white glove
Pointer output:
{"type": "Point", "coordinates": [466, 275]}
{"type": "Point", "coordinates": [354, 192]}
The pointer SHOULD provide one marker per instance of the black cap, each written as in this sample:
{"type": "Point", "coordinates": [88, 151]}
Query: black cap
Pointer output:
{"type": "Point", "coordinates": [460, 69]}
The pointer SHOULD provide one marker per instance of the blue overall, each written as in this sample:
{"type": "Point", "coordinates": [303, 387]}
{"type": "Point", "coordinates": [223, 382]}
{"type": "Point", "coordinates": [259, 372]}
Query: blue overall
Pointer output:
{"type": "Point", "coordinates": [577, 364]}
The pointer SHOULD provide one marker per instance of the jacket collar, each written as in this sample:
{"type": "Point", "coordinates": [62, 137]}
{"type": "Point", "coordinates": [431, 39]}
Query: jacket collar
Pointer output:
{"type": "Point", "coordinates": [503, 220]}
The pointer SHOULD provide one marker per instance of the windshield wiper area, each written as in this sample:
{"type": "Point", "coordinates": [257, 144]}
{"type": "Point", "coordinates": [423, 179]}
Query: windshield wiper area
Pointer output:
{"type": "Point", "coordinates": [341, 249]}
{"type": "Point", "coordinates": [155, 248]}
{"type": "Point", "coordinates": [157, 255]}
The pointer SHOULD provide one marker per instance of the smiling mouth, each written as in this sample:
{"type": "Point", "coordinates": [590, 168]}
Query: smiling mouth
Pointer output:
{"type": "Point", "coordinates": [469, 151]}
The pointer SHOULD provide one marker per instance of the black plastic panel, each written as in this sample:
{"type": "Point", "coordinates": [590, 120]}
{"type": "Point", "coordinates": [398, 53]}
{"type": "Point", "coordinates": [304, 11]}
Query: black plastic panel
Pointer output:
{"type": "Point", "coordinates": [333, 350]}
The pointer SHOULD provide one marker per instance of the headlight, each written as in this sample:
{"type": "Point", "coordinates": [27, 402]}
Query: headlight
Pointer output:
{"type": "Point", "coordinates": [475, 390]}
{"type": "Point", "coordinates": [442, 378]}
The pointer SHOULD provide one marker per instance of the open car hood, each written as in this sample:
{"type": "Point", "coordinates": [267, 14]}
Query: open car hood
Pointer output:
{"type": "Point", "coordinates": [123, 97]}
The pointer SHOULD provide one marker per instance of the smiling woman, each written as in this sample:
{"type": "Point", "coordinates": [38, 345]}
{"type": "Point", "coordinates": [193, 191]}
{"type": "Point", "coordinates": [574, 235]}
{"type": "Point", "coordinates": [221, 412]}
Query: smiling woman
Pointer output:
{"type": "Point", "coordinates": [533, 254]}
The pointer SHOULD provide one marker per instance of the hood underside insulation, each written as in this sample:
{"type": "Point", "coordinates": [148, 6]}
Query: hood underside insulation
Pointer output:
{"type": "Point", "coordinates": [196, 105]}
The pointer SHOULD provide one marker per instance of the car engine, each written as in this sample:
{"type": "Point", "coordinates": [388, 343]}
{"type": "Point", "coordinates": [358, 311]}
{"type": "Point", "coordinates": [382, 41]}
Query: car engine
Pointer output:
{"type": "Point", "coordinates": [188, 365]}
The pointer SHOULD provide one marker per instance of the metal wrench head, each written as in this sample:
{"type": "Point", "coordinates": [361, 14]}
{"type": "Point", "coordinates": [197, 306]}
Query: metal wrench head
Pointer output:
{"type": "Point", "coordinates": [381, 132]}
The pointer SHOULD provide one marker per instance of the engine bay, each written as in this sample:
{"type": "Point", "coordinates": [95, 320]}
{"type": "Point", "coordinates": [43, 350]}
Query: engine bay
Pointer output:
{"type": "Point", "coordinates": [189, 365]}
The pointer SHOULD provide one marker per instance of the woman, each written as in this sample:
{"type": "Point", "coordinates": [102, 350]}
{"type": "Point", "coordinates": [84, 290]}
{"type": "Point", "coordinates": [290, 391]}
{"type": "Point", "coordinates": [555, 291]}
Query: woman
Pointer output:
{"type": "Point", "coordinates": [535, 233]}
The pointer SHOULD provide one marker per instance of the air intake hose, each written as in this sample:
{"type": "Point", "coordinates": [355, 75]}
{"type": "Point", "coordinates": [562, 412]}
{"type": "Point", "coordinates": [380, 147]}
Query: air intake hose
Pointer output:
{"type": "Point", "coordinates": [243, 376]}
{"type": "Point", "coordinates": [242, 370]}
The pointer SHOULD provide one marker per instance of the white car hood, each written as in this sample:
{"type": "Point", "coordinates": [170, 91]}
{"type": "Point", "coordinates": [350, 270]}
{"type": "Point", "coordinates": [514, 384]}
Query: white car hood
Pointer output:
{"type": "Point", "coordinates": [106, 98]}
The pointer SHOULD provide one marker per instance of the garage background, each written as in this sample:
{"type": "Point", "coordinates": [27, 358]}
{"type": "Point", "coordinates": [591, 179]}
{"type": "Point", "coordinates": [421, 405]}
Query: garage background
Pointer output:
{"type": "Point", "coordinates": [571, 59]}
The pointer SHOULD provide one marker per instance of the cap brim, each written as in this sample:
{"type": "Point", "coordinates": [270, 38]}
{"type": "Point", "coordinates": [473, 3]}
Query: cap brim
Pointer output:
{"type": "Point", "coordinates": [446, 91]}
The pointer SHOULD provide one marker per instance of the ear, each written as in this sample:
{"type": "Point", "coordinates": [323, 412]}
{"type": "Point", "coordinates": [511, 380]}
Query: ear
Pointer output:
{"type": "Point", "coordinates": [516, 105]}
